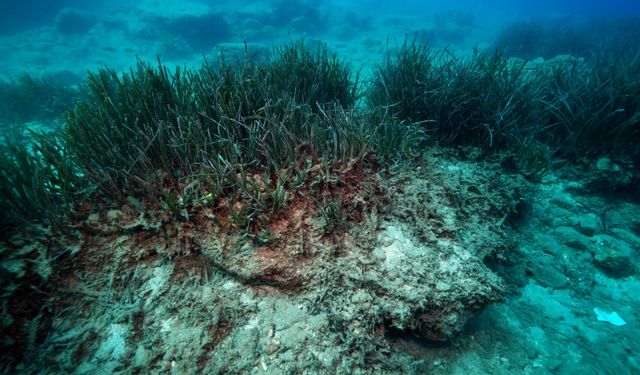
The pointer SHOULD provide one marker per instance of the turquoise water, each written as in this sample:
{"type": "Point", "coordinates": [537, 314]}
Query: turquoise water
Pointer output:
{"type": "Point", "coordinates": [461, 260]}
{"type": "Point", "coordinates": [61, 40]}
{"type": "Point", "coordinates": [47, 38]}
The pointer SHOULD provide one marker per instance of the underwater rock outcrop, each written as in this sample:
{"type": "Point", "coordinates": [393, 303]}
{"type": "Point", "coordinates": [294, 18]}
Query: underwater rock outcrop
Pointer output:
{"type": "Point", "coordinates": [320, 292]}
{"type": "Point", "coordinates": [415, 268]}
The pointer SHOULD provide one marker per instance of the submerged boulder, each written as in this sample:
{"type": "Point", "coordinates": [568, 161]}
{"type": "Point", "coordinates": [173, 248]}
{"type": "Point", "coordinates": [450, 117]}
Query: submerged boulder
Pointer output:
{"type": "Point", "coordinates": [197, 25]}
{"type": "Point", "coordinates": [74, 21]}
{"type": "Point", "coordinates": [431, 292]}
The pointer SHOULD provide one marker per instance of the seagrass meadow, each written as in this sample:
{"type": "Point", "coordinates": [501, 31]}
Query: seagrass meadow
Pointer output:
{"type": "Point", "coordinates": [284, 212]}
{"type": "Point", "coordinates": [183, 137]}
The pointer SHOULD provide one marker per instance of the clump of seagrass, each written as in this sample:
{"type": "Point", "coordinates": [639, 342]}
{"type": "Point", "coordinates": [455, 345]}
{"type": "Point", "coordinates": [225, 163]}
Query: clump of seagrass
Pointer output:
{"type": "Point", "coordinates": [402, 81]}
{"type": "Point", "coordinates": [35, 99]}
{"type": "Point", "coordinates": [491, 101]}
{"type": "Point", "coordinates": [596, 40]}
{"type": "Point", "coordinates": [237, 132]}
{"type": "Point", "coordinates": [312, 76]}
{"type": "Point", "coordinates": [36, 182]}
{"type": "Point", "coordinates": [534, 159]}
{"type": "Point", "coordinates": [594, 110]}
{"type": "Point", "coordinates": [479, 100]}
